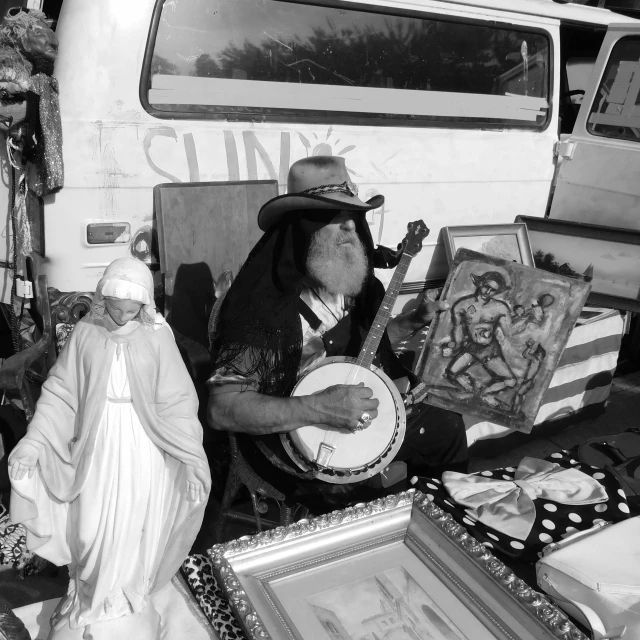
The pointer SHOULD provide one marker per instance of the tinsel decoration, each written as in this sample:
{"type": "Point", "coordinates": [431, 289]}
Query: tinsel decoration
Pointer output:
{"type": "Point", "coordinates": [28, 48]}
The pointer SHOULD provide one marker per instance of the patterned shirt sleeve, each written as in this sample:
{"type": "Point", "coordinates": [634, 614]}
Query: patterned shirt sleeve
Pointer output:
{"type": "Point", "coordinates": [227, 379]}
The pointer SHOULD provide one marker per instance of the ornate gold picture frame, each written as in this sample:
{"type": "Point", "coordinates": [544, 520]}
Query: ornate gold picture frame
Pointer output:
{"type": "Point", "coordinates": [396, 564]}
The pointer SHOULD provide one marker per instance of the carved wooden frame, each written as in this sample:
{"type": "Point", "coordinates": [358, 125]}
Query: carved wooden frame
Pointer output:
{"type": "Point", "coordinates": [66, 310]}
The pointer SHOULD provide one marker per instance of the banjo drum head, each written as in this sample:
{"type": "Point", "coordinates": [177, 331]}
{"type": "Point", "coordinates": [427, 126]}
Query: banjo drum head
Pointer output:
{"type": "Point", "coordinates": [356, 456]}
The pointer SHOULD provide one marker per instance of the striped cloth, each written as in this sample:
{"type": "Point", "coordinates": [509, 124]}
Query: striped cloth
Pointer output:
{"type": "Point", "coordinates": [583, 377]}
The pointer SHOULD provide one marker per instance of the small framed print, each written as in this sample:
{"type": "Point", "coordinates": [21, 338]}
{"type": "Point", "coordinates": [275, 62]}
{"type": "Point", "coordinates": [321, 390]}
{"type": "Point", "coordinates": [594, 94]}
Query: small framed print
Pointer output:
{"type": "Point", "coordinates": [506, 241]}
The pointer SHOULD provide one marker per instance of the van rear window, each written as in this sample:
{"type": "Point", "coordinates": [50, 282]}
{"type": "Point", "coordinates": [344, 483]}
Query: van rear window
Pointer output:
{"type": "Point", "coordinates": [268, 59]}
{"type": "Point", "coordinates": [615, 112]}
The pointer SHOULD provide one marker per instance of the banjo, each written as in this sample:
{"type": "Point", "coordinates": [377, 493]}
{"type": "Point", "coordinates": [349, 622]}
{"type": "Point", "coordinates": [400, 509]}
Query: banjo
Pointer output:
{"type": "Point", "coordinates": [339, 457]}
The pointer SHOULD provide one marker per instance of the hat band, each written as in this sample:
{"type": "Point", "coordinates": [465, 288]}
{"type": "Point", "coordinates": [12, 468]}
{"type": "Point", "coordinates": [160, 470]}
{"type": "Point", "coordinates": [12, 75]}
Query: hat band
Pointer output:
{"type": "Point", "coordinates": [348, 188]}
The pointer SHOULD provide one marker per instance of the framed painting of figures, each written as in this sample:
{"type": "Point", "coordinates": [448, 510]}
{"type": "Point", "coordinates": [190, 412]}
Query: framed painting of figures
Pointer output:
{"type": "Point", "coordinates": [494, 352]}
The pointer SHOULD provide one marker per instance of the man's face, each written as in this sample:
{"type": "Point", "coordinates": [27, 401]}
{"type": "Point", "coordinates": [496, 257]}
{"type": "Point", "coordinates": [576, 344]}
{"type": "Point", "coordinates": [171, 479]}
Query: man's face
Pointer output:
{"type": "Point", "coordinates": [488, 289]}
{"type": "Point", "coordinates": [337, 258]}
{"type": "Point", "coordinates": [341, 229]}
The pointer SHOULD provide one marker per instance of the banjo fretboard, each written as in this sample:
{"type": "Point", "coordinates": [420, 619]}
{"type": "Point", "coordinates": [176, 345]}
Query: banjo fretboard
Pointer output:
{"type": "Point", "coordinates": [372, 341]}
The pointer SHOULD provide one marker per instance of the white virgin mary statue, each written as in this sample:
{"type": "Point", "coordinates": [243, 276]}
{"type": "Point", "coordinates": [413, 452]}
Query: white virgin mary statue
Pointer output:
{"type": "Point", "coordinates": [111, 478]}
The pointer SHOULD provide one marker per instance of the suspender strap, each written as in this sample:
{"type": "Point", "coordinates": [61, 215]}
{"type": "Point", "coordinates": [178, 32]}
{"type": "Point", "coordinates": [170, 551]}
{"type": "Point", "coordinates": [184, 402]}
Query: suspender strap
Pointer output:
{"type": "Point", "coordinates": [305, 311]}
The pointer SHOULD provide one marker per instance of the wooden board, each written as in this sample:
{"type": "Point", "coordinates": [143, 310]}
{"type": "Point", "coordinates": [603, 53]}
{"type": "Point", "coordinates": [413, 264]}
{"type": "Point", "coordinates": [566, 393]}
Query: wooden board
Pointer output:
{"type": "Point", "coordinates": [204, 229]}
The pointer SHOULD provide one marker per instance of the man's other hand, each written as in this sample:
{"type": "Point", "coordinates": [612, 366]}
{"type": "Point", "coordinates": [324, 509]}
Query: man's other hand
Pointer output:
{"type": "Point", "coordinates": [425, 312]}
{"type": "Point", "coordinates": [404, 325]}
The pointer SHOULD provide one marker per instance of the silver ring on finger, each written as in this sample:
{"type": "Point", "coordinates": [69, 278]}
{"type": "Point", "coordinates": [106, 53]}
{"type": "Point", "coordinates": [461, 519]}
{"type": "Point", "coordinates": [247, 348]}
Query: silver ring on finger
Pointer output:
{"type": "Point", "coordinates": [359, 426]}
{"type": "Point", "coordinates": [365, 418]}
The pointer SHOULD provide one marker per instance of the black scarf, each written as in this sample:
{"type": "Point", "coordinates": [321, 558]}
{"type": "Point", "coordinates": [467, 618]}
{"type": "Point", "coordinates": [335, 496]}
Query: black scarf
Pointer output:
{"type": "Point", "coordinates": [259, 333]}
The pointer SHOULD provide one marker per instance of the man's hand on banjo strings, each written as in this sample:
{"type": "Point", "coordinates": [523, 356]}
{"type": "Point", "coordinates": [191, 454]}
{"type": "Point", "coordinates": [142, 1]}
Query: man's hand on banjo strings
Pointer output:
{"type": "Point", "coordinates": [346, 407]}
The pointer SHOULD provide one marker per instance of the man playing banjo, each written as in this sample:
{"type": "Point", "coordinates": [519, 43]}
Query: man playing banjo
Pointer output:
{"type": "Point", "coordinates": [306, 292]}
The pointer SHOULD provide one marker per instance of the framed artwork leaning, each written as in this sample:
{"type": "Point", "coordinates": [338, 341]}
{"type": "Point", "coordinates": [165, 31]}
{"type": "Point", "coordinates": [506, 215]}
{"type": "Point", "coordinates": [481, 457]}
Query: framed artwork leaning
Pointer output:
{"type": "Point", "coordinates": [506, 241]}
{"type": "Point", "coordinates": [494, 352]}
{"type": "Point", "coordinates": [589, 315]}
{"type": "Point", "coordinates": [607, 257]}
{"type": "Point", "coordinates": [398, 567]}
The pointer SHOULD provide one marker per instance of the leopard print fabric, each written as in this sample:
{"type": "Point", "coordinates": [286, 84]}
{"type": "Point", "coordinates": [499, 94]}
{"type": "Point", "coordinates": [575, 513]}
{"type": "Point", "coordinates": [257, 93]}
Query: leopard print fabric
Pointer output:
{"type": "Point", "coordinates": [13, 548]}
{"type": "Point", "coordinates": [198, 572]}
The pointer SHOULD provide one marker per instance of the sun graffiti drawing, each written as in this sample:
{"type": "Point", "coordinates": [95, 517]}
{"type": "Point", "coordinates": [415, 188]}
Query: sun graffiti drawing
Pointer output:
{"type": "Point", "coordinates": [326, 147]}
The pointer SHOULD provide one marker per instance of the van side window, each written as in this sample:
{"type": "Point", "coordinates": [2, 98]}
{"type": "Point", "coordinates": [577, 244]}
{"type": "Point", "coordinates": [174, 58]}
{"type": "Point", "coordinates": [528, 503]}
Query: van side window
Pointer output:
{"type": "Point", "coordinates": [615, 112]}
{"type": "Point", "coordinates": [302, 62]}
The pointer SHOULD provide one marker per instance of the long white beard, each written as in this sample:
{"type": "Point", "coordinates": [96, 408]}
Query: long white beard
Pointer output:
{"type": "Point", "coordinates": [338, 266]}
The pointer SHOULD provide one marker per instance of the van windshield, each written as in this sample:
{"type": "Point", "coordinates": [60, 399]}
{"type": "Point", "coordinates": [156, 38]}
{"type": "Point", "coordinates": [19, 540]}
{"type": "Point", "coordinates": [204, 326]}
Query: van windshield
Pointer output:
{"type": "Point", "coordinates": [305, 60]}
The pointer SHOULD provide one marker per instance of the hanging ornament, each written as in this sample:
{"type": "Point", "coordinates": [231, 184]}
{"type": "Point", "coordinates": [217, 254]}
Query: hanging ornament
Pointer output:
{"type": "Point", "coordinates": [29, 47]}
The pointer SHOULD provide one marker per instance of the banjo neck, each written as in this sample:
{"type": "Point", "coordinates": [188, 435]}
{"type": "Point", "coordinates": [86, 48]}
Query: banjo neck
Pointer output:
{"type": "Point", "coordinates": [372, 341]}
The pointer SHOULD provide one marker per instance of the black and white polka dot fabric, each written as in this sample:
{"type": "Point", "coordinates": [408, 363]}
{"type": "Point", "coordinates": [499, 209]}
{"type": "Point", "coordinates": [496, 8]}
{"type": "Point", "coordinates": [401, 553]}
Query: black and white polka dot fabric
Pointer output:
{"type": "Point", "coordinates": [553, 520]}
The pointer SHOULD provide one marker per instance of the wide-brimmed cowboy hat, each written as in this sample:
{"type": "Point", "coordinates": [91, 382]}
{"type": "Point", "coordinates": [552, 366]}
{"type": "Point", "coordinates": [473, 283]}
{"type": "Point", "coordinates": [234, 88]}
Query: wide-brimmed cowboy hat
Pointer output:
{"type": "Point", "coordinates": [319, 182]}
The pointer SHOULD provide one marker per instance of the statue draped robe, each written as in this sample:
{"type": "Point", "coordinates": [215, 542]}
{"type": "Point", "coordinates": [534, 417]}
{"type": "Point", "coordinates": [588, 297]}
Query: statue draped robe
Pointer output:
{"type": "Point", "coordinates": [107, 469]}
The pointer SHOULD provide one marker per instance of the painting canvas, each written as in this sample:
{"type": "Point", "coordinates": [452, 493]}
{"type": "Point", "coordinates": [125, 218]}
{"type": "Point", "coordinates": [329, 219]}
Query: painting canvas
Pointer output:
{"type": "Point", "coordinates": [493, 354]}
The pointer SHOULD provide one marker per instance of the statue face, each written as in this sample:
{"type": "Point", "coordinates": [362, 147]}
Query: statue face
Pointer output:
{"type": "Point", "coordinates": [41, 42]}
{"type": "Point", "coordinates": [121, 311]}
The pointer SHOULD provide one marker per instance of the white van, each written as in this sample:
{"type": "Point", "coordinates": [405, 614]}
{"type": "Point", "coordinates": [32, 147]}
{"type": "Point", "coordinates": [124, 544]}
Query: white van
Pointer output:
{"type": "Point", "coordinates": [452, 109]}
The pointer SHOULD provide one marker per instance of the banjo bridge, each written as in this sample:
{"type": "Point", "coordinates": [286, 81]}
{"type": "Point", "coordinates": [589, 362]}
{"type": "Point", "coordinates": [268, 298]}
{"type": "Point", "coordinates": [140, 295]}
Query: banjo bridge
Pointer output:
{"type": "Point", "coordinates": [325, 451]}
